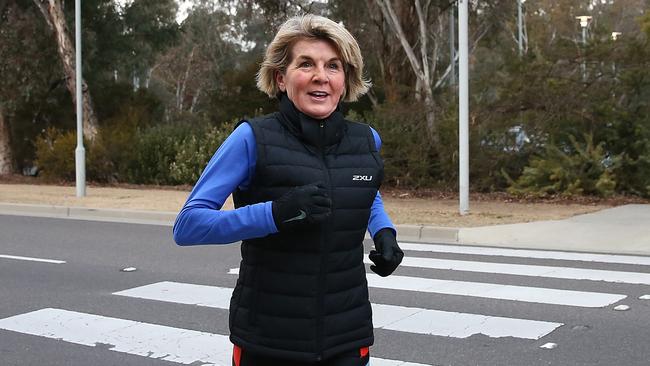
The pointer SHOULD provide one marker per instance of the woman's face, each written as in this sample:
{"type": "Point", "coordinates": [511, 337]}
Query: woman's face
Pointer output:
{"type": "Point", "coordinates": [314, 80]}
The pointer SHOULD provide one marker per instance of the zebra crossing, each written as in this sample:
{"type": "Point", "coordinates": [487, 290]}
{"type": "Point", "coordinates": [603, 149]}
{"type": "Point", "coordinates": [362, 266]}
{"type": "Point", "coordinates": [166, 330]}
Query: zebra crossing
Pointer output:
{"type": "Point", "coordinates": [188, 346]}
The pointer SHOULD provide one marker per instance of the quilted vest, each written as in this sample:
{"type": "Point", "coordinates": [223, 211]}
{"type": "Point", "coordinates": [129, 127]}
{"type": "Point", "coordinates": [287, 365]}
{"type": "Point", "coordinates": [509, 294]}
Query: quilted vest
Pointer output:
{"type": "Point", "coordinates": [303, 295]}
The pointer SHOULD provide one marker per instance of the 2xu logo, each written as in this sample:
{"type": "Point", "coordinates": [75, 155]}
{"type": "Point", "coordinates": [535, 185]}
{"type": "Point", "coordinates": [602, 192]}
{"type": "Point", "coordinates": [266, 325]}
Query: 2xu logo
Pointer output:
{"type": "Point", "coordinates": [366, 178]}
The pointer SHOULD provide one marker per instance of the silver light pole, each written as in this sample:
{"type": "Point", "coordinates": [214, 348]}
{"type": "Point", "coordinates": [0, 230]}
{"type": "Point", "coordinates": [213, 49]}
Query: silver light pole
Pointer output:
{"type": "Point", "coordinates": [80, 152]}
{"type": "Point", "coordinates": [463, 106]}
{"type": "Point", "coordinates": [584, 23]}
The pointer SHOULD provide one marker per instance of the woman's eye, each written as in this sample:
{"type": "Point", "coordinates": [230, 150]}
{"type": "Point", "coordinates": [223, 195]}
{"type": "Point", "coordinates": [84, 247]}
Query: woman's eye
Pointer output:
{"type": "Point", "coordinates": [334, 66]}
{"type": "Point", "coordinates": [305, 64]}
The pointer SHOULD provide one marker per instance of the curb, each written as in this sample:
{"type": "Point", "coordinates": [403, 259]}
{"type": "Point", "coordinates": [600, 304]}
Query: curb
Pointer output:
{"type": "Point", "coordinates": [423, 233]}
{"type": "Point", "coordinates": [87, 213]}
{"type": "Point", "coordinates": [416, 233]}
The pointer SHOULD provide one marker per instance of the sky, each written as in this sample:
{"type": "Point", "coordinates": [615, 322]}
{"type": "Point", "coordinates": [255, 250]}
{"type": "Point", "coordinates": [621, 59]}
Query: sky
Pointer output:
{"type": "Point", "coordinates": [183, 7]}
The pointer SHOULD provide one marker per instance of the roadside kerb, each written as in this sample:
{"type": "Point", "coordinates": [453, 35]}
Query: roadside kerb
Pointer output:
{"type": "Point", "coordinates": [33, 210]}
{"type": "Point", "coordinates": [423, 233]}
{"type": "Point", "coordinates": [88, 213]}
{"type": "Point", "coordinates": [417, 233]}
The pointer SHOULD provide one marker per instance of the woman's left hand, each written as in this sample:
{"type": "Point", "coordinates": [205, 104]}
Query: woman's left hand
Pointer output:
{"type": "Point", "coordinates": [387, 255]}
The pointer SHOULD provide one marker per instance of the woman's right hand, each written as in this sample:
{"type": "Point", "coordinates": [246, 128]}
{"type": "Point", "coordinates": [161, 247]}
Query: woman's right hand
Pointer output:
{"type": "Point", "coordinates": [308, 204]}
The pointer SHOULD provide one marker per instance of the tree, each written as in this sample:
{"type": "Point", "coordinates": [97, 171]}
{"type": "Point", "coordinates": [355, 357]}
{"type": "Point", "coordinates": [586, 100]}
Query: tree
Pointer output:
{"type": "Point", "coordinates": [6, 159]}
{"type": "Point", "coordinates": [424, 44]}
{"type": "Point", "coordinates": [27, 79]}
{"type": "Point", "coordinates": [199, 61]}
{"type": "Point", "coordinates": [52, 11]}
{"type": "Point", "coordinates": [149, 28]}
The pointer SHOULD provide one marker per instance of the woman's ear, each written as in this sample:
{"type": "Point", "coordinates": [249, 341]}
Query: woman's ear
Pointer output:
{"type": "Point", "coordinates": [279, 80]}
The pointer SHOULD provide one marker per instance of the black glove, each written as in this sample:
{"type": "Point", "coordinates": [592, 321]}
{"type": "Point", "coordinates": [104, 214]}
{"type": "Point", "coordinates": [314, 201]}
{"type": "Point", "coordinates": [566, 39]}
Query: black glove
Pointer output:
{"type": "Point", "coordinates": [388, 254]}
{"type": "Point", "coordinates": [307, 204]}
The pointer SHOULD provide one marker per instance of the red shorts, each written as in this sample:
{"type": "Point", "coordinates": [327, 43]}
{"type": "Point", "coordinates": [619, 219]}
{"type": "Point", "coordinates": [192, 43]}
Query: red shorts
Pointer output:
{"type": "Point", "coordinates": [352, 358]}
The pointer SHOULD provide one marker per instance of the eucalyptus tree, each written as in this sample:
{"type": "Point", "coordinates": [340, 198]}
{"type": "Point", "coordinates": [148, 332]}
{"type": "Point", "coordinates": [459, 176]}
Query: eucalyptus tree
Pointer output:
{"type": "Point", "coordinates": [149, 29]}
{"type": "Point", "coordinates": [27, 80]}
{"type": "Point", "coordinates": [54, 16]}
{"type": "Point", "coordinates": [195, 66]}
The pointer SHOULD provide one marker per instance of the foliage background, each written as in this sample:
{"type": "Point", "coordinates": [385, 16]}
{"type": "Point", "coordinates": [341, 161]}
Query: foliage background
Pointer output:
{"type": "Point", "coordinates": [168, 92]}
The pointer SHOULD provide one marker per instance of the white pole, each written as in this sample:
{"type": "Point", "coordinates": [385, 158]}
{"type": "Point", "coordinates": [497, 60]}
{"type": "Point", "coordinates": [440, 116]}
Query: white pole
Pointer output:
{"type": "Point", "coordinates": [584, 23]}
{"type": "Point", "coordinates": [463, 106]}
{"type": "Point", "coordinates": [80, 152]}
{"type": "Point", "coordinates": [584, 63]}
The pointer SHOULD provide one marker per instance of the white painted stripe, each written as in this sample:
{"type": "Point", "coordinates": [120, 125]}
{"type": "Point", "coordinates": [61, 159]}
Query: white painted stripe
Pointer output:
{"type": "Point", "coordinates": [383, 362]}
{"type": "Point", "coordinates": [182, 293]}
{"type": "Point", "coordinates": [457, 325]}
{"type": "Point", "coordinates": [495, 291]}
{"type": "Point", "coordinates": [527, 270]}
{"type": "Point", "coordinates": [527, 253]}
{"type": "Point", "coordinates": [136, 338]}
{"type": "Point", "coordinates": [126, 336]}
{"type": "Point", "coordinates": [54, 261]}
{"type": "Point", "coordinates": [400, 318]}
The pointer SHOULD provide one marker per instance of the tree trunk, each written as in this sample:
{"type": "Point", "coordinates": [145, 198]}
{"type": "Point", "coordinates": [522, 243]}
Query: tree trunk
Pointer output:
{"type": "Point", "coordinates": [5, 146]}
{"type": "Point", "coordinates": [53, 12]}
{"type": "Point", "coordinates": [420, 66]}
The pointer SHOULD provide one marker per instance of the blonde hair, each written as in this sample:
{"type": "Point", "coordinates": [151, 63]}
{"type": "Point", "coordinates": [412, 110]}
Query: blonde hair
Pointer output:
{"type": "Point", "coordinates": [309, 26]}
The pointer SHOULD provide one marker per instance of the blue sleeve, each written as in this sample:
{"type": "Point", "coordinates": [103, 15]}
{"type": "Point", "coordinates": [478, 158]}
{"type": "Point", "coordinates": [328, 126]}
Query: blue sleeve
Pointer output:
{"type": "Point", "coordinates": [378, 217]}
{"type": "Point", "coordinates": [201, 220]}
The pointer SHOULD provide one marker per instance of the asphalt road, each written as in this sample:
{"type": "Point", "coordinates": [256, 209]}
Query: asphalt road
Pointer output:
{"type": "Point", "coordinates": [69, 313]}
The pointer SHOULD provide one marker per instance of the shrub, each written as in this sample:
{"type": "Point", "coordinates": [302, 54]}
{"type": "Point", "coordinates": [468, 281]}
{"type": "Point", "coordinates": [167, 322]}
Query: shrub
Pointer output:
{"type": "Point", "coordinates": [409, 157]}
{"type": "Point", "coordinates": [154, 151]}
{"type": "Point", "coordinates": [194, 153]}
{"type": "Point", "coordinates": [55, 154]}
{"type": "Point", "coordinates": [574, 170]}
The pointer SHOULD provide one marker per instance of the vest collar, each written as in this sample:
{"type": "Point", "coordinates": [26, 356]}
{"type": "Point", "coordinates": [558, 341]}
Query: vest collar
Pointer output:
{"type": "Point", "coordinates": [309, 129]}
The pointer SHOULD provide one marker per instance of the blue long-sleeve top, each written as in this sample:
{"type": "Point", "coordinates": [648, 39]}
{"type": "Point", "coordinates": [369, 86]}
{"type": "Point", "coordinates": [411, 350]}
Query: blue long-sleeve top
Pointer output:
{"type": "Point", "coordinates": [201, 220]}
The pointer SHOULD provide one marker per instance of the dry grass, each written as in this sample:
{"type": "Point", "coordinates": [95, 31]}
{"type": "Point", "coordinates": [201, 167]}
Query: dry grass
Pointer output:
{"type": "Point", "coordinates": [403, 207]}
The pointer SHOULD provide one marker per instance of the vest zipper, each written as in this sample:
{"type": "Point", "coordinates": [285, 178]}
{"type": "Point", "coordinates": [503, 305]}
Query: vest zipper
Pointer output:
{"type": "Point", "coordinates": [323, 249]}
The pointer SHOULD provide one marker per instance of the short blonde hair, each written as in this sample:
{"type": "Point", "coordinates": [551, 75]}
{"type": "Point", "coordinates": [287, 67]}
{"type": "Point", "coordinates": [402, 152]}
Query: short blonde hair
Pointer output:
{"type": "Point", "coordinates": [309, 26]}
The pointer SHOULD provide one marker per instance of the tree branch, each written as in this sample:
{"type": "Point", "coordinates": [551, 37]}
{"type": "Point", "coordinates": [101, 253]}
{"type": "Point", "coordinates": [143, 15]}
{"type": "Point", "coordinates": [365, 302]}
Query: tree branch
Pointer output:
{"type": "Point", "coordinates": [423, 43]}
{"type": "Point", "coordinates": [391, 19]}
{"type": "Point", "coordinates": [40, 4]}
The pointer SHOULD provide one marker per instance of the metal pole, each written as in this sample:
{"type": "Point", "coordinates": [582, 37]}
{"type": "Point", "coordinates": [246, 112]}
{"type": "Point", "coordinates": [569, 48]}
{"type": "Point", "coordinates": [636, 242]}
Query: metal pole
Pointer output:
{"type": "Point", "coordinates": [452, 45]}
{"type": "Point", "coordinates": [463, 106]}
{"type": "Point", "coordinates": [520, 26]}
{"type": "Point", "coordinates": [80, 152]}
{"type": "Point", "coordinates": [584, 63]}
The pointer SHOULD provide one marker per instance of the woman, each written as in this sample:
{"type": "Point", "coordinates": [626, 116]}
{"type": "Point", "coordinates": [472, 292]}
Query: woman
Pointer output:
{"type": "Point", "coordinates": [305, 185]}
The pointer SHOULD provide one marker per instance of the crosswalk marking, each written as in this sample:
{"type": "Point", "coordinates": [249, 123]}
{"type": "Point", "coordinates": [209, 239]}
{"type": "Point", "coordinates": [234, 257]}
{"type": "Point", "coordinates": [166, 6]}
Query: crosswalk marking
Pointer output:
{"type": "Point", "coordinates": [126, 336]}
{"type": "Point", "coordinates": [31, 259]}
{"type": "Point", "coordinates": [456, 325]}
{"type": "Point", "coordinates": [527, 253]}
{"type": "Point", "coordinates": [495, 291]}
{"type": "Point", "coordinates": [400, 318]}
{"type": "Point", "coordinates": [540, 295]}
{"type": "Point", "coordinates": [527, 270]}
{"type": "Point", "coordinates": [182, 293]}
{"type": "Point", "coordinates": [137, 338]}
{"type": "Point", "coordinates": [187, 346]}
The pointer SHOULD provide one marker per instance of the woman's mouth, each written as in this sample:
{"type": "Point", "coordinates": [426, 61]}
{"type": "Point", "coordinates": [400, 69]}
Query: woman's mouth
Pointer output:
{"type": "Point", "coordinates": [318, 95]}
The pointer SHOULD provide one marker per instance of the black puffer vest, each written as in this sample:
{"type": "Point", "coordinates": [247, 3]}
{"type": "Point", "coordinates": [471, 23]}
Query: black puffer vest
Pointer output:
{"type": "Point", "coordinates": [303, 295]}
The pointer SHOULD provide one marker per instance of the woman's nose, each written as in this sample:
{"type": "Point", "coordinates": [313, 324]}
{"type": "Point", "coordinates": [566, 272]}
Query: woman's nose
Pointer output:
{"type": "Point", "coordinates": [320, 75]}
